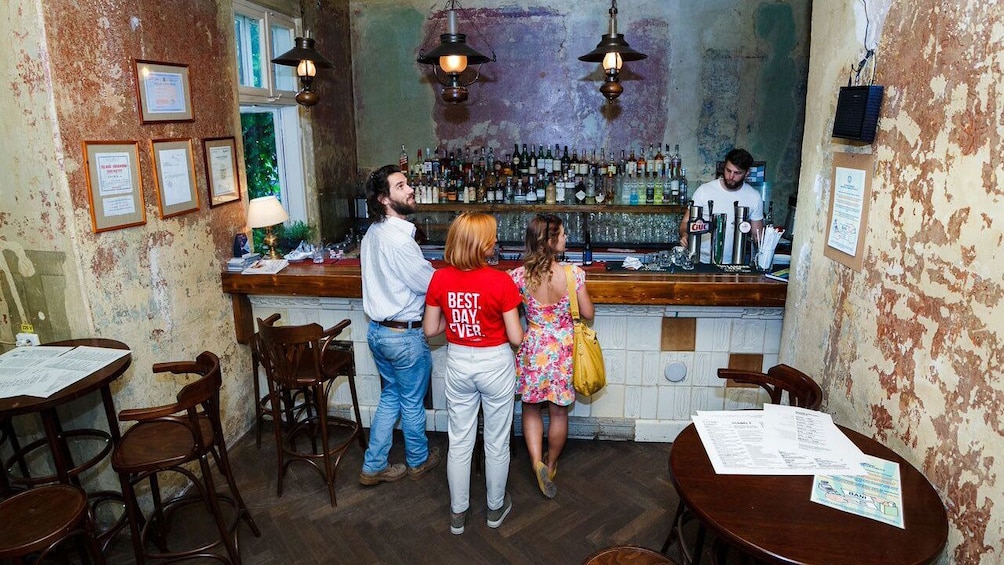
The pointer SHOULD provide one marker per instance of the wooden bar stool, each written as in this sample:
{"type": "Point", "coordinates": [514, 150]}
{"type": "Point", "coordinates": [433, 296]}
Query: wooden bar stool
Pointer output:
{"type": "Point", "coordinates": [627, 555]}
{"type": "Point", "coordinates": [38, 520]}
{"type": "Point", "coordinates": [165, 439]}
{"type": "Point", "coordinates": [302, 362]}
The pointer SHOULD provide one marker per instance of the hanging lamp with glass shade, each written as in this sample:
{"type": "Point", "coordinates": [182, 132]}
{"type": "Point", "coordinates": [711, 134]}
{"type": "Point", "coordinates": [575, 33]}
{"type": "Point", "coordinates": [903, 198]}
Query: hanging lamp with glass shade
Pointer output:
{"type": "Point", "coordinates": [612, 51]}
{"type": "Point", "coordinates": [452, 57]}
{"type": "Point", "coordinates": [307, 60]}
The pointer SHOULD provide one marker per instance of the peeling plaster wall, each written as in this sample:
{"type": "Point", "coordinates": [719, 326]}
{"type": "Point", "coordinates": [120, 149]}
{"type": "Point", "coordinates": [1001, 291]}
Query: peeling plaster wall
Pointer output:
{"type": "Point", "coordinates": [719, 73]}
{"type": "Point", "coordinates": [155, 287]}
{"type": "Point", "coordinates": [911, 348]}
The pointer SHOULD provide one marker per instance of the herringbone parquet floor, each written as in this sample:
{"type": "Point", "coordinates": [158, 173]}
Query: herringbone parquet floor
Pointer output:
{"type": "Point", "coordinates": [608, 493]}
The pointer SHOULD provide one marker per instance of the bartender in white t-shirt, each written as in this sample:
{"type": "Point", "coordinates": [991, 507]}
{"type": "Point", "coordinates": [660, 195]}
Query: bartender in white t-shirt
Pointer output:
{"type": "Point", "coordinates": [725, 192]}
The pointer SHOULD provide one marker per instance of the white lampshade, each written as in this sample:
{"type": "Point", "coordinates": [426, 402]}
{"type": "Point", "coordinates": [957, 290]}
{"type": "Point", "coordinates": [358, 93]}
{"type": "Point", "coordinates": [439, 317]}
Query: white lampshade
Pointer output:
{"type": "Point", "coordinates": [266, 211]}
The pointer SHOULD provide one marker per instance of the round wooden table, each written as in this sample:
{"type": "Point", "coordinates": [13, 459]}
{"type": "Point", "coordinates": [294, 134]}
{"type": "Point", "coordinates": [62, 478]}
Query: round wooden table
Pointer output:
{"type": "Point", "coordinates": [772, 519]}
{"type": "Point", "coordinates": [66, 470]}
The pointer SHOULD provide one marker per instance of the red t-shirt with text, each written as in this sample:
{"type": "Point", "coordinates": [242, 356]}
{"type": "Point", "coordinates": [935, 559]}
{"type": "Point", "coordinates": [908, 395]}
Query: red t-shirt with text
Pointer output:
{"type": "Point", "coordinates": [473, 303]}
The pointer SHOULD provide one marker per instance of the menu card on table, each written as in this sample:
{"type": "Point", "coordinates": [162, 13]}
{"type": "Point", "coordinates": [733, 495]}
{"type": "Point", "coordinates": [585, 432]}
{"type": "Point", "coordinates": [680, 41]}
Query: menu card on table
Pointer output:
{"type": "Point", "coordinates": [778, 440]}
{"type": "Point", "coordinates": [44, 370]}
{"type": "Point", "coordinates": [877, 494]}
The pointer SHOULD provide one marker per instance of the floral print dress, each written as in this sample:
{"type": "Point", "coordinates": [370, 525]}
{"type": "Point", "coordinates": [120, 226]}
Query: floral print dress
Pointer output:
{"type": "Point", "coordinates": [544, 360]}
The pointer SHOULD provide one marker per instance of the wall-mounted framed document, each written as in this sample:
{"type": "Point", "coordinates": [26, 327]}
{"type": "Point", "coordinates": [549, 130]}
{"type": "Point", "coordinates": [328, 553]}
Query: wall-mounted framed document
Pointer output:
{"type": "Point", "coordinates": [220, 154]}
{"type": "Point", "coordinates": [164, 92]}
{"type": "Point", "coordinates": [847, 221]}
{"type": "Point", "coordinates": [174, 175]}
{"type": "Point", "coordinates": [114, 185]}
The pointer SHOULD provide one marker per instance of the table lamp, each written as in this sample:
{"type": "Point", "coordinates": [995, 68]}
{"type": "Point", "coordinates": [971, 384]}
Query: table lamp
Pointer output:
{"type": "Point", "coordinates": [265, 212]}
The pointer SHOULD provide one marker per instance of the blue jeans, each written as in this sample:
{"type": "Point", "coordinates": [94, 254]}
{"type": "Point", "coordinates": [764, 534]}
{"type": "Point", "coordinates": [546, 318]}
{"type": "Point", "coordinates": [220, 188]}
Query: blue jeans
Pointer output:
{"type": "Point", "coordinates": [405, 364]}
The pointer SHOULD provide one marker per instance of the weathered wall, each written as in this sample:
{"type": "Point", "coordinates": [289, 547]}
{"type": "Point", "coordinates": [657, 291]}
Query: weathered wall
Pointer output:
{"type": "Point", "coordinates": [719, 73]}
{"type": "Point", "coordinates": [156, 286]}
{"type": "Point", "coordinates": [911, 348]}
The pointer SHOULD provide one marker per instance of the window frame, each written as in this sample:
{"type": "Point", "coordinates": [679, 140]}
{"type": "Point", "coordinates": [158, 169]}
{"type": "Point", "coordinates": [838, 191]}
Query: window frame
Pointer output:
{"type": "Point", "coordinates": [268, 93]}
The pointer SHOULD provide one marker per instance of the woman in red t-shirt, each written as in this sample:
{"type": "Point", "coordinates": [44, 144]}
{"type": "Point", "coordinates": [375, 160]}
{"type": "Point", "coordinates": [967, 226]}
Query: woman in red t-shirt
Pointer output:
{"type": "Point", "coordinates": [477, 307]}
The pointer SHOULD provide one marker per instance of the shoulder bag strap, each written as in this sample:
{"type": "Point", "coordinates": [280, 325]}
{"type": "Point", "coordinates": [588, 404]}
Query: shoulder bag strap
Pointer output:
{"type": "Point", "coordinates": [572, 300]}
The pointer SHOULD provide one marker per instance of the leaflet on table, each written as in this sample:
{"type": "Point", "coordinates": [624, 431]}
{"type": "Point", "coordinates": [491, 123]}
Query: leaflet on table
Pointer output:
{"type": "Point", "coordinates": [737, 444]}
{"type": "Point", "coordinates": [44, 370]}
{"type": "Point", "coordinates": [266, 267]}
{"type": "Point", "coordinates": [877, 495]}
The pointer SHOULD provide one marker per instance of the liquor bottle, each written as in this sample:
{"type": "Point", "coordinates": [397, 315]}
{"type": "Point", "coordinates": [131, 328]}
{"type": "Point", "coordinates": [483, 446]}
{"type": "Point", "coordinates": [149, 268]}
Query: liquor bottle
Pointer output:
{"type": "Point", "coordinates": [427, 164]}
{"type": "Point", "coordinates": [584, 163]}
{"type": "Point", "coordinates": [632, 165]}
{"type": "Point", "coordinates": [541, 165]}
{"type": "Point", "coordinates": [587, 250]}
{"type": "Point", "coordinates": [402, 161]}
{"type": "Point", "coordinates": [524, 162]}
{"type": "Point", "coordinates": [675, 161]}
{"type": "Point", "coordinates": [549, 159]}
{"type": "Point", "coordinates": [493, 167]}
{"type": "Point", "coordinates": [481, 160]}
{"type": "Point", "coordinates": [507, 166]}
{"type": "Point", "coordinates": [541, 188]}
{"type": "Point", "coordinates": [532, 168]}
{"type": "Point", "coordinates": [641, 165]}
{"type": "Point", "coordinates": [657, 168]}
{"type": "Point", "coordinates": [437, 165]}
{"type": "Point", "coordinates": [660, 185]}
{"type": "Point", "coordinates": [515, 160]}
{"type": "Point", "coordinates": [683, 185]}
{"type": "Point", "coordinates": [566, 161]}
{"type": "Point", "coordinates": [649, 188]}
{"type": "Point", "coordinates": [419, 168]}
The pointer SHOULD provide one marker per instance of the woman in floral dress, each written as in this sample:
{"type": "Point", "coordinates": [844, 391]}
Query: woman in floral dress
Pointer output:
{"type": "Point", "coordinates": [544, 360]}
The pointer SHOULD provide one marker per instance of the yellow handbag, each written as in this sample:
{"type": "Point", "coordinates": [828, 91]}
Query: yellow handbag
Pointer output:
{"type": "Point", "coordinates": [588, 373]}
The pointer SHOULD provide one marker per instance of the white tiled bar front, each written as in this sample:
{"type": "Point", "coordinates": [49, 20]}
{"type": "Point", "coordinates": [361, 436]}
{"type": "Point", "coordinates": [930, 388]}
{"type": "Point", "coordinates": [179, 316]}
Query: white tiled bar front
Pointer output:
{"type": "Point", "coordinates": [639, 403]}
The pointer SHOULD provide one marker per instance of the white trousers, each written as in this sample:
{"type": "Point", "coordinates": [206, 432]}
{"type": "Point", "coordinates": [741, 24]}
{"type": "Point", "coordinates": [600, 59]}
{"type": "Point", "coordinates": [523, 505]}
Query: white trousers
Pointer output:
{"type": "Point", "coordinates": [476, 377]}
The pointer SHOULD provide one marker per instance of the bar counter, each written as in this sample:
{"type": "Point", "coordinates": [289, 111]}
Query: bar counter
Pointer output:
{"type": "Point", "coordinates": [342, 279]}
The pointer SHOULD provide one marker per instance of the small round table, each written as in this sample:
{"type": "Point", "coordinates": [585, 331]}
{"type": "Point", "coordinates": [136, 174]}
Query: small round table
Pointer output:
{"type": "Point", "coordinates": [65, 469]}
{"type": "Point", "coordinates": [772, 519]}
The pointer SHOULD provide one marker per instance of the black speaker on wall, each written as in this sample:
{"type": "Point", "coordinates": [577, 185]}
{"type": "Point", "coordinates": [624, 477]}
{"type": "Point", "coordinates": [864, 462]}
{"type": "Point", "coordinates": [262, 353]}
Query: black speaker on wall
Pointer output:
{"type": "Point", "coordinates": [857, 113]}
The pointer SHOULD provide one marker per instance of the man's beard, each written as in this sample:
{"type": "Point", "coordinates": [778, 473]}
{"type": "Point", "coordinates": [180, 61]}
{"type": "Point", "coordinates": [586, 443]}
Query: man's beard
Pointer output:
{"type": "Point", "coordinates": [404, 208]}
{"type": "Point", "coordinates": [733, 185]}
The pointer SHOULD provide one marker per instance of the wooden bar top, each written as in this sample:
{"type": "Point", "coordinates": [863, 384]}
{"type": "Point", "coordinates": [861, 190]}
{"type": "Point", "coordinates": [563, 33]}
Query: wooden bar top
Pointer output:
{"type": "Point", "coordinates": [343, 279]}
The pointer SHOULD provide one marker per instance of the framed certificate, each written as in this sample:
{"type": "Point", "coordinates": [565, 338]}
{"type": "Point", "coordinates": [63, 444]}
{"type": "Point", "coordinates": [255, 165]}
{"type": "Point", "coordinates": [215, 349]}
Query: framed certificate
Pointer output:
{"type": "Point", "coordinates": [174, 175]}
{"type": "Point", "coordinates": [220, 154]}
{"type": "Point", "coordinates": [164, 92]}
{"type": "Point", "coordinates": [114, 186]}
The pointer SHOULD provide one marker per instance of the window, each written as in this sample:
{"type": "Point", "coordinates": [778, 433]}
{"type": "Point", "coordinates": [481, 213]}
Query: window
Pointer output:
{"type": "Point", "coordinates": [273, 155]}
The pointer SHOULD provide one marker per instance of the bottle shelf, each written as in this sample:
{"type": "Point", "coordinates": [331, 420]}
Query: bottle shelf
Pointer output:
{"type": "Point", "coordinates": [535, 208]}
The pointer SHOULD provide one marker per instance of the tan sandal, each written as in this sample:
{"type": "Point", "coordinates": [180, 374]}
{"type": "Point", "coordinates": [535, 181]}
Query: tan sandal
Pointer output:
{"type": "Point", "coordinates": [540, 471]}
{"type": "Point", "coordinates": [550, 474]}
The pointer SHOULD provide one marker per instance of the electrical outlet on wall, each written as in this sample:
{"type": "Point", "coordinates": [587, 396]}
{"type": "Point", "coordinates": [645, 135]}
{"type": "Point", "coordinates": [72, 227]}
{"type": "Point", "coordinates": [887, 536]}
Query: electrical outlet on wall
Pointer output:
{"type": "Point", "coordinates": [25, 339]}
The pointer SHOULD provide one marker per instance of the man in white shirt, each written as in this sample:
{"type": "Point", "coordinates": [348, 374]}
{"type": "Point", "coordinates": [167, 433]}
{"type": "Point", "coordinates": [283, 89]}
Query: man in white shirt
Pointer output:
{"type": "Point", "coordinates": [395, 277]}
{"type": "Point", "coordinates": [725, 192]}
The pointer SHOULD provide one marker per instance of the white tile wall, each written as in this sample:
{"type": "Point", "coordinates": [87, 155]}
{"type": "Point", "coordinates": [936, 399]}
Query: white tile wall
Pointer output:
{"type": "Point", "coordinates": [636, 391]}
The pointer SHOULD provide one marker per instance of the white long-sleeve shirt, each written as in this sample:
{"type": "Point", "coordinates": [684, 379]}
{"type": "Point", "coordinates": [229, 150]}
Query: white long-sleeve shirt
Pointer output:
{"type": "Point", "coordinates": [395, 273]}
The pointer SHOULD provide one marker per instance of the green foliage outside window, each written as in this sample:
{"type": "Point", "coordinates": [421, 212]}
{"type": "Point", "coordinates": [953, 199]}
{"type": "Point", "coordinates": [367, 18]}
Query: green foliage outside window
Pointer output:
{"type": "Point", "coordinates": [262, 165]}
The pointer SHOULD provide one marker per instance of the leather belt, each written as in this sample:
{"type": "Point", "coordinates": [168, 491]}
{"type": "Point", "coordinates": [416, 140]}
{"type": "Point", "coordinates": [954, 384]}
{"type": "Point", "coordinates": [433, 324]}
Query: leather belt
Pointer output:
{"type": "Point", "coordinates": [401, 325]}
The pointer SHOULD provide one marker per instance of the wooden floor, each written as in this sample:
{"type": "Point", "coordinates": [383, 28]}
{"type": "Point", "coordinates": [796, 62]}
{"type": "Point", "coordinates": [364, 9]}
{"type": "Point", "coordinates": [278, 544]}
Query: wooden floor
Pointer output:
{"type": "Point", "coordinates": [608, 493]}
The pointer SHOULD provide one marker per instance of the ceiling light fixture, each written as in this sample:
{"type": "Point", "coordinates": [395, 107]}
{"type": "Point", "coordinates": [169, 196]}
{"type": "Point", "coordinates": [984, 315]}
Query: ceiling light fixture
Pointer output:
{"type": "Point", "coordinates": [306, 60]}
{"type": "Point", "coordinates": [612, 51]}
{"type": "Point", "coordinates": [452, 57]}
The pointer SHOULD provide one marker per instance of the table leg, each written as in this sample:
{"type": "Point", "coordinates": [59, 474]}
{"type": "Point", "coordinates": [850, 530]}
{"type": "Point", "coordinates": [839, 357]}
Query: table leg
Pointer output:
{"type": "Point", "coordinates": [62, 460]}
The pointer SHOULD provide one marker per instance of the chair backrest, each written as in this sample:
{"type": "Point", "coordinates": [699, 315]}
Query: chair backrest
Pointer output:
{"type": "Point", "coordinates": [802, 390]}
{"type": "Point", "coordinates": [196, 400]}
{"type": "Point", "coordinates": [291, 355]}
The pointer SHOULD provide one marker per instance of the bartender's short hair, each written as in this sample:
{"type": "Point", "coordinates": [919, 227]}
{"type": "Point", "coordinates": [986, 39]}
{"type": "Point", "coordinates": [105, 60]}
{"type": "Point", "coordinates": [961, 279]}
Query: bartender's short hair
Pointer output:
{"type": "Point", "coordinates": [376, 188]}
{"type": "Point", "coordinates": [741, 158]}
{"type": "Point", "coordinates": [470, 241]}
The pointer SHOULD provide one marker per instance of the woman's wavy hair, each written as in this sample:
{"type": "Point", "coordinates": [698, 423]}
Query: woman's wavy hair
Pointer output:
{"type": "Point", "coordinates": [470, 241]}
{"type": "Point", "coordinates": [541, 237]}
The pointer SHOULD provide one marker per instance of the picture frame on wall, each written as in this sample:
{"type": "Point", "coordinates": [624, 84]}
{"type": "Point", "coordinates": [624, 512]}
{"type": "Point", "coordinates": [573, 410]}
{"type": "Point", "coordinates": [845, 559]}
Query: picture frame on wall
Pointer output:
{"type": "Point", "coordinates": [174, 176]}
{"type": "Point", "coordinates": [164, 92]}
{"type": "Point", "coordinates": [220, 154]}
{"type": "Point", "coordinates": [114, 184]}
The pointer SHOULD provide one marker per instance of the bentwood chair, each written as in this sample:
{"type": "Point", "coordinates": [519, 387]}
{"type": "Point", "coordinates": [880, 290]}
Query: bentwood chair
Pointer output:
{"type": "Point", "coordinates": [781, 382]}
{"type": "Point", "coordinates": [166, 439]}
{"type": "Point", "coordinates": [302, 362]}
{"type": "Point", "coordinates": [627, 555]}
{"type": "Point", "coordinates": [39, 520]}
